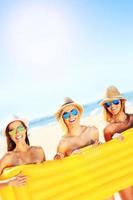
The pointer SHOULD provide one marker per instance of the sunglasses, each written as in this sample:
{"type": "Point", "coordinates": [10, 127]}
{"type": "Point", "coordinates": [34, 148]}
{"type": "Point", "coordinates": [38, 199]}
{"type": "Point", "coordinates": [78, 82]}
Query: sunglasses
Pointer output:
{"type": "Point", "coordinates": [115, 102]}
{"type": "Point", "coordinates": [19, 129]}
{"type": "Point", "coordinates": [73, 112]}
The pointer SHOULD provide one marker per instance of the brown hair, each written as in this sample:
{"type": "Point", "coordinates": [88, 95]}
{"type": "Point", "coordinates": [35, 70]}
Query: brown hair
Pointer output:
{"type": "Point", "coordinates": [10, 143]}
{"type": "Point", "coordinates": [108, 115]}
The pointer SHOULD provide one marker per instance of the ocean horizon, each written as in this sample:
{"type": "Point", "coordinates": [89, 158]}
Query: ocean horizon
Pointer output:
{"type": "Point", "coordinates": [89, 108]}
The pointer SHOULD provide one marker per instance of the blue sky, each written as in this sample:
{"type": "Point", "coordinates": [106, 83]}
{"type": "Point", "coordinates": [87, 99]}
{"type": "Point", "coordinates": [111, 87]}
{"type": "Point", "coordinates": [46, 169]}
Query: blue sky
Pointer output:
{"type": "Point", "coordinates": [53, 49]}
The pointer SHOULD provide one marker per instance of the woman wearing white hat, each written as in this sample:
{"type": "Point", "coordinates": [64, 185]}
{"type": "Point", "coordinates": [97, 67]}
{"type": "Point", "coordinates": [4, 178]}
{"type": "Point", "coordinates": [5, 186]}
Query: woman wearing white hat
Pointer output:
{"type": "Point", "coordinates": [19, 150]}
{"type": "Point", "coordinates": [75, 135]}
{"type": "Point", "coordinates": [117, 122]}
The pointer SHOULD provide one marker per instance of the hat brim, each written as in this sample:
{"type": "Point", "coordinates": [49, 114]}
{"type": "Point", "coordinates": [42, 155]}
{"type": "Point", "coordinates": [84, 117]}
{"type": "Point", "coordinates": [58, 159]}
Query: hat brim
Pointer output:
{"type": "Point", "coordinates": [25, 121]}
{"type": "Point", "coordinates": [111, 99]}
{"type": "Point", "coordinates": [59, 112]}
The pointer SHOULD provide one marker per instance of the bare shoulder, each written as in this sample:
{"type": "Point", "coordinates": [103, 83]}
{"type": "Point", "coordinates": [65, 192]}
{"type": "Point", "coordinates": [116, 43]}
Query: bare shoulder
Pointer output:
{"type": "Point", "coordinates": [6, 161]}
{"type": "Point", "coordinates": [131, 117]}
{"type": "Point", "coordinates": [93, 132]}
{"type": "Point", "coordinates": [39, 152]}
{"type": "Point", "coordinates": [63, 145]}
{"type": "Point", "coordinates": [63, 141]}
{"type": "Point", "coordinates": [110, 128]}
{"type": "Point", "coordinates": [92, 129]}
{"type": "Point", "coordinates": [7, 156]}
{"type": "Point", "coordinates": [89, 129]}
{"type": "Point", "coordinates": [36, 148]}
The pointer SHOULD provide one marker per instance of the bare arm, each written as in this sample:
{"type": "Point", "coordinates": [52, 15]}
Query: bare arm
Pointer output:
{"type": "Point", "coordinates": [61, 150]}
{"type": "Point", "coordinates": [41, 154]}
{"type": "Point", "coordinates": [66, 147]}
{"type": "Point", "coordinates": [112, 129]}
{"type": "Point", "coordinates": [94, 134]}
{"type": "Point", "coordinates": [107, 134]}
{"type": "Point", "coordinates": [18, 180]}
{"type": "Point", "coordinates": [5, 162]}
{"type": "Point", "coordinates": [118, 127]}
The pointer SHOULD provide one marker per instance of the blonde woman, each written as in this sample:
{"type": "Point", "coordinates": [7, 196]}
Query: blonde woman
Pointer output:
{"type": "Point", "coordinates": [117, 121]}
{"type": "Point", "coordinates": [19, 150]}
{"type": "Point", "coordinates": [75, 135]}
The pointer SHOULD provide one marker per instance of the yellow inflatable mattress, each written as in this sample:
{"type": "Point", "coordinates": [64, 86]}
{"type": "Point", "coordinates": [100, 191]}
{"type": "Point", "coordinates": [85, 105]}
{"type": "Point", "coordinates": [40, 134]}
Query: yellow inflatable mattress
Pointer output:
{"type": "Point", "coordinates": [95, 173]}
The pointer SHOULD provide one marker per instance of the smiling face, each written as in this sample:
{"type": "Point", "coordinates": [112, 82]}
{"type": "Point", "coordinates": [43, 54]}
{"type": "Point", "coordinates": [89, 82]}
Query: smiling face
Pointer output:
{"type": "Point", "coordinates": [113, 107]}
{"type": "Point", "coordinates": [17, 131]}
{"type": "Point", "coordinates": [70, 115]}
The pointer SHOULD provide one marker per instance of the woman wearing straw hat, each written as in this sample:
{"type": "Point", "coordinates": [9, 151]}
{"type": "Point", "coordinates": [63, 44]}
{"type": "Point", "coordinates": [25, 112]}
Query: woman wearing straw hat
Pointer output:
{"type": "Point", "coordinates": [75, 135]}
{"type": "Point", "coordinates": [117, 122]}
{"type": "Point", "coordinates": [19, 150]}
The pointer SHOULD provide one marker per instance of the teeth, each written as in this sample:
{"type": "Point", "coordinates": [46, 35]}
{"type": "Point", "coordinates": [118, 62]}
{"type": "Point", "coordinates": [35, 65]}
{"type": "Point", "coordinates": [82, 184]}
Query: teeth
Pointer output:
{"type": "Point", "coordinates": [113, 109]}
{"type": "Point", "coordinates": [72, 120]}
{"type": "Point", "coordinates": [18, 137]}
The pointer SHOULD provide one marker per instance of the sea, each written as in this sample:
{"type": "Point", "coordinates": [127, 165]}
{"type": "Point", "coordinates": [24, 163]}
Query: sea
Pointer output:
{"type": "Point", "coordinates": [89, 108]}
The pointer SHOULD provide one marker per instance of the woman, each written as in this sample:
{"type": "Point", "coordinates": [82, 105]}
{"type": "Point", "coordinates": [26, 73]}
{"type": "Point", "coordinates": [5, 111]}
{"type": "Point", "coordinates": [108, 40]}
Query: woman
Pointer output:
{"type": "Point", "coordinates": [117, 122]}
{"type": "Point", "coordinates": [75, 136]}
{"type": "Point", "coordinates": [19, 150]}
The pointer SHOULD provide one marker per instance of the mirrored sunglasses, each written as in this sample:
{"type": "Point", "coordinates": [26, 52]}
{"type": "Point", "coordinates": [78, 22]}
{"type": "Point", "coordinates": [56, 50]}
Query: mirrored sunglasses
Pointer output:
{"type": "Point", "coordinates": [109, 103]}
{"type": "Point", "coordinates": [73, 112]}
{"type": "Point", "coordinates": [19, 129]}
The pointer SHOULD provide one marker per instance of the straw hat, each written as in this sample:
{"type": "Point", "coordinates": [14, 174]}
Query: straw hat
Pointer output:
{"type": "Point", "coordinates": [68, 102]}
{"type": "Point", "coordinates": [25, 121]}
{"type": "Point", "coordinates": [111, 93]}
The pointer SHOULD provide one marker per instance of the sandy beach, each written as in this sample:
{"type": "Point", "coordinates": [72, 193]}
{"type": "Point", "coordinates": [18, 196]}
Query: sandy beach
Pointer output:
{"type": "Point", "coordinates": [49, 136]}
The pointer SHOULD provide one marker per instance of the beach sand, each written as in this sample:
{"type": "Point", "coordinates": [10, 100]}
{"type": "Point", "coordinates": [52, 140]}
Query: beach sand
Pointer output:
{"type": "Point", "coordinates": [49, 136]}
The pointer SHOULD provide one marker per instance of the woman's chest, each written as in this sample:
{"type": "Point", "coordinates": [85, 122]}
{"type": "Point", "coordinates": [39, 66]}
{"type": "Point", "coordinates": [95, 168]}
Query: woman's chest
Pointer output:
{"type": "Point", "coordinates": [24, 158]}
{"type": "Point", "coordinates": [122, 126]}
